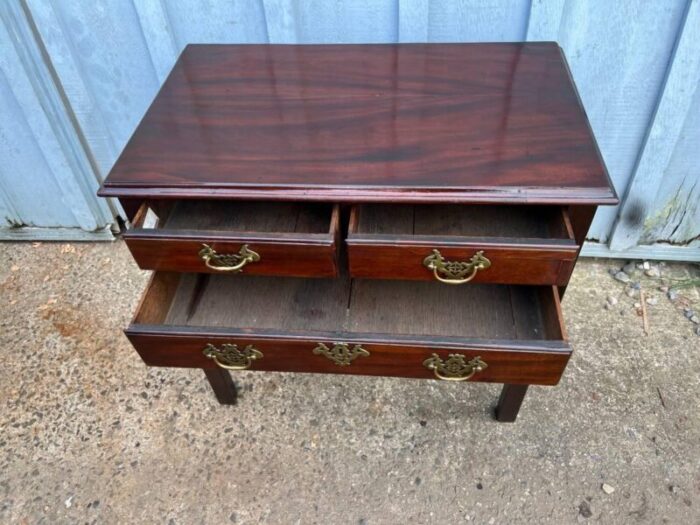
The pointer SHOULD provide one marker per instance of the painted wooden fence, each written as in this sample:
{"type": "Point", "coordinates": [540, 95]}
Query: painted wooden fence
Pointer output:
{"type": "Point", "coordinates": [76, 77]}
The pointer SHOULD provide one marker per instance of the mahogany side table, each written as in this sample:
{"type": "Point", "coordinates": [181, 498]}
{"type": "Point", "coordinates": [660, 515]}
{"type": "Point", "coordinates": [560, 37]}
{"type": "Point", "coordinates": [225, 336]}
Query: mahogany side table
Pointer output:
{"type": "Point", "coordinates": [411, 210]}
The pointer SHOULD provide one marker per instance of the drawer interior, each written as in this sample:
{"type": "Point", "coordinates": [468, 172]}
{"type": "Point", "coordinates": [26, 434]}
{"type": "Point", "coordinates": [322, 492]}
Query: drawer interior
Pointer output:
{"type": "Point", "coordinates": [479, 221]}
{"type": "Point", "coordinates": [235, 216]}
{"type": "Point", "coordinates": [489, 312]}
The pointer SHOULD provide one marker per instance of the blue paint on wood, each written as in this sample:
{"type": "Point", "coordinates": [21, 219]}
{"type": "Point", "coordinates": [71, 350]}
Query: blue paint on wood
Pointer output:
{"type": "Point", "coordinates": [478, 21]}
{"type": "Point", "coordinates": [324, 22]}
{"type": "Point", "coordinates": [158, 36]}
{"type": "Point", "coordinates": [545, 20]}
{"type": "Point", "coordinates": [658, 251]}
{"type": "Point", "coordinates": [413, 18]}
{"type": "Point", "coordinates": [216, 21]}
{"type": "Point", "coordinates": [280, 21]}
{"type": "Point", "coordinates": [674, 215]}
{"type": "Point", "coordinates": [111, 56]}
{"type": "Point", "coordinates": [619, 71]}
{"type": "Point", "coordinates": [64, 178]}
{"type": "Point", "coordinates": [679, 88]}
{"type": "Point", "coordinates": [104, 66]}
{"type": "Point", "coordinates": [28, 189]}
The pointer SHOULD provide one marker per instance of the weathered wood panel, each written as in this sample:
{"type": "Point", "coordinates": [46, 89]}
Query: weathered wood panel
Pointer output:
{"type": "Point", "coordinates": [46, 179]}
{"type": "Point", "coordinates": [106, 59]}
{"type": "Point", "coordinates": [619, 70]}
{"type": "Point", "coordinates": [662, 197]}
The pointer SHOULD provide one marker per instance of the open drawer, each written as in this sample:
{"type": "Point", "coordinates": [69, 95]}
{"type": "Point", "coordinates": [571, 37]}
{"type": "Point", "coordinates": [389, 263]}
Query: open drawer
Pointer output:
{"type": "Point", "coordinates": [456, 244]}
{"type": "Point", "coordinates": [230, 237]}
{"type": "Point", "coordinates": [492, 333]}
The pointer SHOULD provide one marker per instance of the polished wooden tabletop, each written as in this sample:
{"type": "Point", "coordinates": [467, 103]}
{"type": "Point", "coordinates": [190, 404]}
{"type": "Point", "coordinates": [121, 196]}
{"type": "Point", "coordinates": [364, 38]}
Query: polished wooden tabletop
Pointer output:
{"type": "Point", "coordinates": [354, 123]}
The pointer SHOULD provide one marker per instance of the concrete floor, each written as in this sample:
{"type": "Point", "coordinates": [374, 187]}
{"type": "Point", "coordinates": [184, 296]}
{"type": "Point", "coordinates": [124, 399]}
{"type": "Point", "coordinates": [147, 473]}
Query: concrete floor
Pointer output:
{"type": "Point", "coordinates": [89, 434]}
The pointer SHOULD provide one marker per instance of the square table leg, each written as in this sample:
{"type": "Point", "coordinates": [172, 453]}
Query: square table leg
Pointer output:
{"type": "Point", "coordinates": [509, 403]}
{"type": "Point", "coordinates": [222, 384]}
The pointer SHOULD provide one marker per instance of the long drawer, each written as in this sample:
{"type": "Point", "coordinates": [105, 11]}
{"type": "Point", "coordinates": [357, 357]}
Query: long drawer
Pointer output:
{"type": "Point", "coordinates": [458, 244]}
{"type": "Point", "coordinates": [230, 237]}
{"type": "Point", "coordinates": [491, 333]}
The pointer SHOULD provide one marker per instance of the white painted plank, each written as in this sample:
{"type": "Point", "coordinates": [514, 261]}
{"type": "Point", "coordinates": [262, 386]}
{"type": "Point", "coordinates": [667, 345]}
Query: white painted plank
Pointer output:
{"type": "Point", "coordinates": [682, 79]}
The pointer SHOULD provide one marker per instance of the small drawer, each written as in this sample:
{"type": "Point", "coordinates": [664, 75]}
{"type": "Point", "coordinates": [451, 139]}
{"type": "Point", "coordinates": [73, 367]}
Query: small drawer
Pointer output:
{"type": "Point", "coordinates": [490, 333]}
{"type": "Point", "coordinates": [461, 243]}
{"type": "Point", "coordinates": [229, 237]}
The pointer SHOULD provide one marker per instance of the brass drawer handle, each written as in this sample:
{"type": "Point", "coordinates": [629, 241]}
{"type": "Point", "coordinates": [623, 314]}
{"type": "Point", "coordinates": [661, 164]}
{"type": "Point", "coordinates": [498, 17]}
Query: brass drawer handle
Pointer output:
{"type": "Point", "coordinates": [455, 272]}
{"type": "Point", "coordinates": [231, 358]}
{"type": "Point", "coordinates": [341, 353]}
{"type": "Point", "coordinates": [455, 368]}
{"type": "Point", "coordinates": [228, 262]}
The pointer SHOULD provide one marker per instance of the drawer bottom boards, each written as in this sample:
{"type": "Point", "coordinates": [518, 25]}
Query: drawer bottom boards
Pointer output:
{"type": "Point", "coordinates": [491, 333]}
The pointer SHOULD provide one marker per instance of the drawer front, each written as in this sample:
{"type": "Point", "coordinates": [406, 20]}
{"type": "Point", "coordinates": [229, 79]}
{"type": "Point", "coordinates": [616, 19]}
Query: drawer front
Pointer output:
{"type": "Point", "coordinates": [455, 245]}
{"type": "Point", "coordinates": [232, 252]}
{"type": "Point", "coordinates": [443, 360]}
{"type": "Point", "coordinates": [274, 256]}
{"type": "Point", "coordinates": [515, 264]}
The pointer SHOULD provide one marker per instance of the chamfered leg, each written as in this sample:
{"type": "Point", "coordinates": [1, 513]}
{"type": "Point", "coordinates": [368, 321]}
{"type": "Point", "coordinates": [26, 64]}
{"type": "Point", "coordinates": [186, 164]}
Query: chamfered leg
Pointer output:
{"type": "Point", "coordinates": [222, 384]}
{"type": "Point", "coordinates": [509, 403]}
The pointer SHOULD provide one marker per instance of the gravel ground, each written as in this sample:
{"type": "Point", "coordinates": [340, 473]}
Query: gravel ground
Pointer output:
{"type": "Point", "coordinates": [89, 434]}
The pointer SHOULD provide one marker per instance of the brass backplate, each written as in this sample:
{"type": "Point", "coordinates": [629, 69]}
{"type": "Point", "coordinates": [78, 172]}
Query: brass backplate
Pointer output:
{"type": "Point", "coordinates": [341, 353]}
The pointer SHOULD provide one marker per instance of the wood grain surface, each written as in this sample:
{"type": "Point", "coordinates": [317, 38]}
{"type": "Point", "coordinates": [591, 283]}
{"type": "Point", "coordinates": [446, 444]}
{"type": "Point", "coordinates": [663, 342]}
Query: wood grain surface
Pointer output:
{"type": "Point", "coordinates": [291, 239]}
{"type": "Point", "coordinates": [404, 122]}
{"type": "Point", "coordinates": [514, 329]}
{"type": "Point", "coordinates": [525, 244]}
